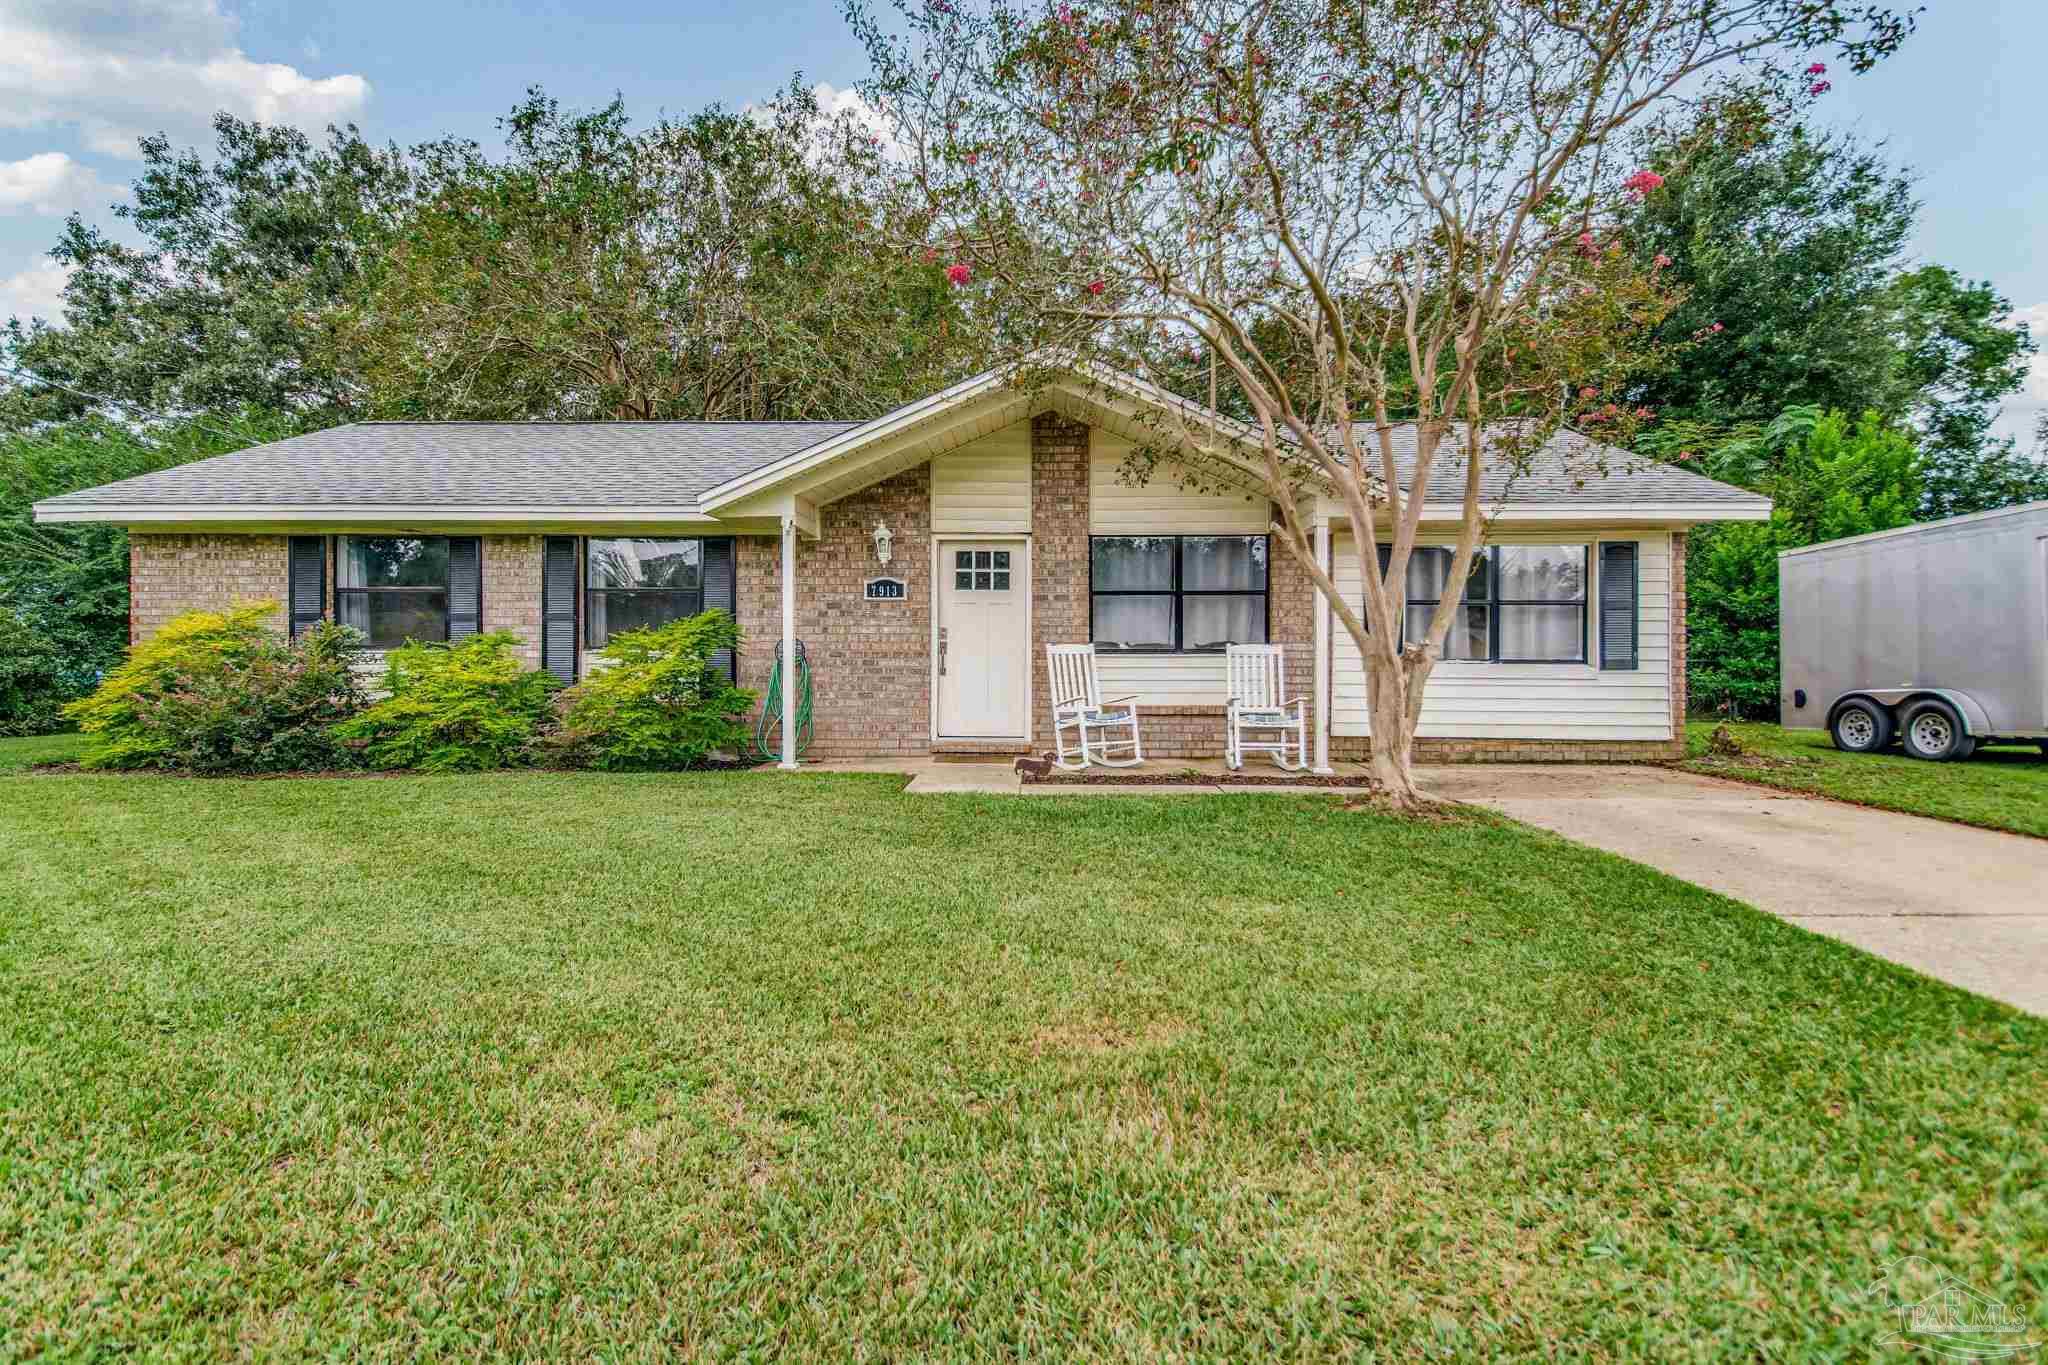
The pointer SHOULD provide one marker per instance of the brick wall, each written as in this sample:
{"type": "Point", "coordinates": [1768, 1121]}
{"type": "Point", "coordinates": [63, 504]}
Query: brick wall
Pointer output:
{"type": "Point", "coordinates": [173, 574]}
{"type": "Point", "coordinates": [870, 661]}
{"type": "Point", "coordinates": [169, 575]}
{"type": "Point", "coordinates": [512, 566]}
{"type": "Point", "coordinates": [1059, 552]}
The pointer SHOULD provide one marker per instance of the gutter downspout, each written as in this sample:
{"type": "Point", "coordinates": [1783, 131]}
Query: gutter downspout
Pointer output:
{"type": "Point", "coordinates": [788, 763]}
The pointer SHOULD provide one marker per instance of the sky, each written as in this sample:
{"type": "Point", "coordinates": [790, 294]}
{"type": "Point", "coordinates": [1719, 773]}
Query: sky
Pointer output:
{"type": "Point", "coordinates": [1964, 105]}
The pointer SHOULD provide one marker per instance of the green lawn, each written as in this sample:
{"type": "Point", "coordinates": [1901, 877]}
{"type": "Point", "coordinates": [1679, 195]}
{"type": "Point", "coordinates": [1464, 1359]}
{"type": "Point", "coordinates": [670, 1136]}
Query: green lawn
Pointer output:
{"type": "Point", "coordinates": [740, 1064]}
{"type": "Point", "coordinates": [16, 754]}
{"type": "Point", "coordinates": [2001, 788]}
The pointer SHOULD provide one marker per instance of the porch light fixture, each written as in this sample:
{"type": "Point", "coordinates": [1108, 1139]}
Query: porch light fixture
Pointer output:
{"type": "Point", "coordinates": [883, 541]}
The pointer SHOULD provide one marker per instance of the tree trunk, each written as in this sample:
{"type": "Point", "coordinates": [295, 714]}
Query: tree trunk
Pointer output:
{"type": "Point", "coordinates": [1396, 705]}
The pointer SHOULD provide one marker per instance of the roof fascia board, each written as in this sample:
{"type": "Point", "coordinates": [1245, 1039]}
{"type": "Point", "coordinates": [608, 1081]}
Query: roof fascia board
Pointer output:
{"type": "Point", "coordinates": [408, 514]}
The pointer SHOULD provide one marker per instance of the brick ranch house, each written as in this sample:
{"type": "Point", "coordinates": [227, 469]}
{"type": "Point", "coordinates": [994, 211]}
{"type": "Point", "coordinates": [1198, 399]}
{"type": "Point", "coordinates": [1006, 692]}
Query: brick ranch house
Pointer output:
{"type": "Point", "coordinates": [1009, 523]}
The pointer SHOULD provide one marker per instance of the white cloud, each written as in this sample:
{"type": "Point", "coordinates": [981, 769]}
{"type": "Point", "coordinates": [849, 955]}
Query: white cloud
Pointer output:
{"type": "Point", "coordinates": [121, 68]}
{"type": "Point", "coordinates": [52, 183]}
{"type": "Point", "coordinates": [37, 292]}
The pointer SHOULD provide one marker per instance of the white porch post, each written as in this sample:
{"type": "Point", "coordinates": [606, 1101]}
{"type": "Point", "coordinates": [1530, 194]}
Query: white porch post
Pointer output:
{"type": "Point", "coordinates": [1323, 679]}
{"type": "Point", "coordinates": [788, 763]}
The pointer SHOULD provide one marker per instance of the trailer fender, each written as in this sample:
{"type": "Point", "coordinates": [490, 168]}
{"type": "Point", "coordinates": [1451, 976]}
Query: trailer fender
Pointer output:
{"type": "Point", "coordinates": [1976, 720]}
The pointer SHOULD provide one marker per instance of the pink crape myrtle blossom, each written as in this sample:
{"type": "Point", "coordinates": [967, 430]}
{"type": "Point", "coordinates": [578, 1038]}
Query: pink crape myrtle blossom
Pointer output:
{"type": "Point", "coordinates": [959, 273]}
{"type": "Point", "coordinates": [1817, 69]}
{"type": "Point", "coordinates": [1819, 88]}
{"type": "Point", "coordinates": [1641, 183]}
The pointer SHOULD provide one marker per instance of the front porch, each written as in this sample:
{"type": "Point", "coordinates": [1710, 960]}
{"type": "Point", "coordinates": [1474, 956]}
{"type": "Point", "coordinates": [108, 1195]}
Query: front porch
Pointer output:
{"type": "Point", "coordinates": [948, 774]}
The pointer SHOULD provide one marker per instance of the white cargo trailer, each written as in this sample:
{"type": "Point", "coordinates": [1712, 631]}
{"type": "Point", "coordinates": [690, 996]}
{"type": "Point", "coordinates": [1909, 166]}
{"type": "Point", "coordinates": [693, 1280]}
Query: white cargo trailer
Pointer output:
{"type": "Point", "coordinates": [1933, 635]}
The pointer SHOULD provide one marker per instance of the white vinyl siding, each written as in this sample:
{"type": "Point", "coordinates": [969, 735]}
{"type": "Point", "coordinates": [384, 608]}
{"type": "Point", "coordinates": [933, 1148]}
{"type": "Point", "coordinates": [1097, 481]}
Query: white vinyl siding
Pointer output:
{"type": "Point", "coordinates": [1160, 506]}
{"type": "Point", "coordinates": [984, 487]}
{"type": "Point", "coordinates": [1532, 701]}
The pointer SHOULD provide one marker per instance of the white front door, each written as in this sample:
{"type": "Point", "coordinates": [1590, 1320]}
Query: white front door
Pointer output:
{"type": "Point", "coordinates": [984, 639]}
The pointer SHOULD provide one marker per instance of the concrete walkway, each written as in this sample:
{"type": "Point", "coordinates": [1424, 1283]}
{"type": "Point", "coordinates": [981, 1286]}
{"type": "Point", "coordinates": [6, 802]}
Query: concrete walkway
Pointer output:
{"type": "Point", "coordinates": [1968, 906]}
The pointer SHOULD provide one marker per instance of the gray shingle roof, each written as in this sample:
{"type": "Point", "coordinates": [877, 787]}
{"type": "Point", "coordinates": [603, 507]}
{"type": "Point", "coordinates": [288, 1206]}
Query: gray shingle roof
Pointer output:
{"type": "Point", "coordinates": [1569, 468]}
{"type": "Point", "coordinates": [602, 465]}
{"type": "Point", "coordinates": [511, 464]}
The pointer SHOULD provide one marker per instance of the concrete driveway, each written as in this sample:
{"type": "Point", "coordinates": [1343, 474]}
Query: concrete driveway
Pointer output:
{"type": "Point", "coordinates": [1969, 906]}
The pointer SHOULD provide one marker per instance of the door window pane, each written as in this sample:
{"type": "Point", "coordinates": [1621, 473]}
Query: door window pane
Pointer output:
{"type": "Point", "coordinates": [1211, 622]}
{"type": "Point", "coordinates": [1136, 622]}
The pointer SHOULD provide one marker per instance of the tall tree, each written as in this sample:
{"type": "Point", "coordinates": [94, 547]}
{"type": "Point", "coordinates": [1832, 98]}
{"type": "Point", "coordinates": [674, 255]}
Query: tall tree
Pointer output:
{"type": "Point", "coordinates": [1417, 199]}
{"type": "Point", "coordinates": [729, 265]}
{"type": "Point", "coordinates": [246, 259]}
{"type": "Point", "coordinates": [1792, 242]}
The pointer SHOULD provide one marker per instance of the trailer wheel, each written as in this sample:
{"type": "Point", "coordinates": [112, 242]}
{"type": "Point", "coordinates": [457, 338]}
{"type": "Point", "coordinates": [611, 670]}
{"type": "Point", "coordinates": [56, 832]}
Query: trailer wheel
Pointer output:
{"type": "Point", "coordinates": [1861, 727]}
{"type": "Point", "coordinates": [1934, 731]}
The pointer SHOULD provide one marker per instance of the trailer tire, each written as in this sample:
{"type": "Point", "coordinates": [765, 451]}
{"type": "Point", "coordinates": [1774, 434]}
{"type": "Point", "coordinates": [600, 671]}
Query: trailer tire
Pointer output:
{"type": "Point", "coordinates": [1933, 731]}
{"type": "Point", "coordinates": [1861, 727]}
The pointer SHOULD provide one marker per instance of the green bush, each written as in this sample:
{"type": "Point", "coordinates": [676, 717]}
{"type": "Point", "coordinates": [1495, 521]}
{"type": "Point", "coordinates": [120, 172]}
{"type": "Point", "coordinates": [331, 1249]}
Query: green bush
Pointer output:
{"type": "Point", "coordinates": [461, 707]}
{"type": "Point", "coordinates": [222, 692]}
{"type": "Point", "coordinates": [656, 700]}
{"type": "Point", "coordinates": [35, 681]}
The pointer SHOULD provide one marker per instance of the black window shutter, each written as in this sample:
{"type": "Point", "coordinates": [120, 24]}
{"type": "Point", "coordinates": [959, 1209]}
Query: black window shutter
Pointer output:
{"type": "Point", "coordinates": [721, 592]}
{"type": "Point", "coordinates": [307, 582]}
{"type": "Point", "coordinates": [558, 607]}
{"type": "Point", "coordinates": [465, 586]}
{"type": "Point", "coordinates": [1618, 604]}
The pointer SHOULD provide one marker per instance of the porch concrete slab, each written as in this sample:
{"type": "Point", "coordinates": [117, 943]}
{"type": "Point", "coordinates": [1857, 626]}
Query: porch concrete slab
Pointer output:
{"type": "Point", "coordinates": [1962, 904]}
{"type": "Point", "coordinates": [953, 779]}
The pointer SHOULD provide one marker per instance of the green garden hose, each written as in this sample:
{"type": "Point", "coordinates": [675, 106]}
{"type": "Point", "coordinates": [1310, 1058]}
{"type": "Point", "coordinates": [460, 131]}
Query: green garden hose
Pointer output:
{"type": "Point", "coordinates": [770, 723]}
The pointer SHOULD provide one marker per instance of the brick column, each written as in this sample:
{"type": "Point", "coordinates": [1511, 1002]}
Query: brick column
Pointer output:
{"type": "Point", "coordinates": [1059, 552]}
{"type": "Point", "coordinates": [512, 571]}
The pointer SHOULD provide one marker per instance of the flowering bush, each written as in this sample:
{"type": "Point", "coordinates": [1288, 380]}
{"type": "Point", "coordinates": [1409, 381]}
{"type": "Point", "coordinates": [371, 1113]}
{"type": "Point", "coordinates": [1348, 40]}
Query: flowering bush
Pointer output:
{"type": "Point", "coordinates": [459, 707]}
{"type": "Point", "coordinates": [222, 692]}
{"type": "Point", "coordinates": [656, 699]}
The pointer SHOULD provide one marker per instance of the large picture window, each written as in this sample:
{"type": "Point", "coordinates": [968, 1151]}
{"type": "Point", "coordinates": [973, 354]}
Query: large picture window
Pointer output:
{"type": "Point", "coordinates": [1188, 594]}
{"type": "Point", "coordinates": [1521, 604]}
{"type": "Point", "coordinates": [635, 583]}
{"type": "Point", "coordinates": [393, 588]}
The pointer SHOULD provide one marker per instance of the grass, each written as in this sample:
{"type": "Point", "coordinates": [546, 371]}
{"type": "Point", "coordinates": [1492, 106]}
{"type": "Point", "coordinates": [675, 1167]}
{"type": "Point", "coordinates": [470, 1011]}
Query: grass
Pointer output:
{"type": "Point", "coordinates": [2002, 788]}
{"type": "Point", "coordinates": [746, 1065]}
{"type": "Point", "coordinates": [17, 754]}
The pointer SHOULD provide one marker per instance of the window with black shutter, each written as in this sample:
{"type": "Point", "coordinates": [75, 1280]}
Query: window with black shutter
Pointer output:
{"type": "Point", "coordinates": [1619, 594]}
{"type": "Point", "coordinates": [307, 587]}
{"type": "Point", "coordinates": [558, 607]}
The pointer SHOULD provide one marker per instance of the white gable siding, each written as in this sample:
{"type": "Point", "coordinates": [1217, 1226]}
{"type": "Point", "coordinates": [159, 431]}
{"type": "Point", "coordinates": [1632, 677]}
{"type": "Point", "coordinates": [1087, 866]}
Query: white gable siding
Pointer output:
{"type": "Point", "coordinates": [1533, 701]}
{"type": "Point", "coordinates": [985, 485]}
{"type": "Point", "coordinates": [1161, 507]}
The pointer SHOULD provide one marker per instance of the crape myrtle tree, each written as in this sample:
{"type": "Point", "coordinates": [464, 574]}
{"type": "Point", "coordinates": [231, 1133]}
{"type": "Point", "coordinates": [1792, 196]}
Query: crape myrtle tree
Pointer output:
{"type": "Point", "coordinates": [1363, 214]}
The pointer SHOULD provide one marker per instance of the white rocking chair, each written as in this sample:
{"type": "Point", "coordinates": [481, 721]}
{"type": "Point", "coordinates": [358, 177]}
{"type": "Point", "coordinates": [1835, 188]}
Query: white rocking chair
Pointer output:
{"type": "Point", "coordinates": [1257, 684]}
{"type": "Point", "coordinates": [1105, 732]}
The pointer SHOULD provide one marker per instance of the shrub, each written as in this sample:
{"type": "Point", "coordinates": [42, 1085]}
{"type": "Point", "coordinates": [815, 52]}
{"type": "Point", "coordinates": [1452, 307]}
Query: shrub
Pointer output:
{"type": "Point", "coordinates": [657, 700]}
{"type": "Point", "coordinates": [460, 707]}
{"type": "Point", "coordinates": [35, 681]}
{"type": "Point", "coordinates": [221, 692]}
